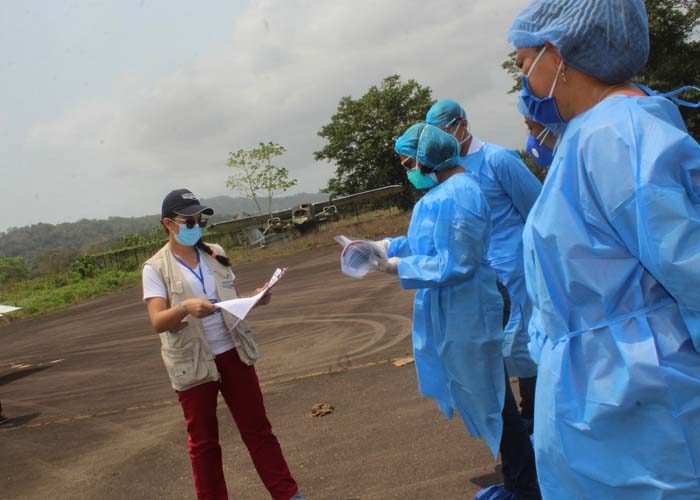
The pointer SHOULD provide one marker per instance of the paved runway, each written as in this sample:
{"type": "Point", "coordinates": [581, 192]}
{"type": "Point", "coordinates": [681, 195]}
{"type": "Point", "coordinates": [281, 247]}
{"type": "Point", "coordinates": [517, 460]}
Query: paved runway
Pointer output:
{"type": "Point", "coordinates": [94, 416]}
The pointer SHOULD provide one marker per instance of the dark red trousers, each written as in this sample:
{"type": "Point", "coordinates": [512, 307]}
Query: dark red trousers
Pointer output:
{"type": "Point", "coordinates": [240, 388]}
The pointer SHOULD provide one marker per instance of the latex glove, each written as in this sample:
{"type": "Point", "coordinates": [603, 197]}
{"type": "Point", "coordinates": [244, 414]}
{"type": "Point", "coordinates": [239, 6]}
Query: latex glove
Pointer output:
{"type": "Point", "coordinates": [382, 247]}
{"type": "Point", "coordinates": [389, 266]}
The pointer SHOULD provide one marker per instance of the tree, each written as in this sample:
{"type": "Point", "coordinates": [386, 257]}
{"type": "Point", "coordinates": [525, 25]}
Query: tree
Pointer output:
{"type": "Point", "coordinates": [12, 269]}
{"type": "Point", "coordinates": [85, 266]}
{"type": "Point", "coordinates": [133, 239]}
{"type": "Point", "coordinates": [256, 174]}
{"type": "Point", "coordinates": [674, 52]}
{"type": "Point", "coordinates": [52, 261]}
{"type": "Point", "coordinates": [362, 133]}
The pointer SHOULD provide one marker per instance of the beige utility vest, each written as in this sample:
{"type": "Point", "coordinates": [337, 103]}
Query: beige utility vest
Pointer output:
{"type": "Point", "coordinates": [185, 351]}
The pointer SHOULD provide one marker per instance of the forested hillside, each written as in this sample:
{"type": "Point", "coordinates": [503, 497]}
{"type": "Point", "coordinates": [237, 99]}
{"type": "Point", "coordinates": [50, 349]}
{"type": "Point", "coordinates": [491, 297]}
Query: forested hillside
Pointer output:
{"type": "Point", "coordinates": [91, 235]}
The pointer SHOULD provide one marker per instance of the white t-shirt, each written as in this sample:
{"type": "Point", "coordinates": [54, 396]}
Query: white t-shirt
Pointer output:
{"type": "Point", "coordinates": [215, 330]}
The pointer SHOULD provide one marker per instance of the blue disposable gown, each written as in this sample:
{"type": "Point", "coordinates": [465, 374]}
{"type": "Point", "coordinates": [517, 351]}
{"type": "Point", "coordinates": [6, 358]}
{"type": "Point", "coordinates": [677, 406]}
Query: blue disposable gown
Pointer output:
{"type": "Point", "coordinates": [510, 190]}
{"type": "Point", "coordinates": [457, 313]}
{"type": "Point", "coordinates": [612, 260]}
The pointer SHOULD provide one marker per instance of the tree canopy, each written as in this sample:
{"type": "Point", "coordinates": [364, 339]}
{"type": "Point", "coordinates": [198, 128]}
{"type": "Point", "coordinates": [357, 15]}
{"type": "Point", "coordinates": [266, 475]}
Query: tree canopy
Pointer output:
{"type": "Point", "coordinates": [361, 134]}
{"type": "Point", "coordinates": [256, 176]}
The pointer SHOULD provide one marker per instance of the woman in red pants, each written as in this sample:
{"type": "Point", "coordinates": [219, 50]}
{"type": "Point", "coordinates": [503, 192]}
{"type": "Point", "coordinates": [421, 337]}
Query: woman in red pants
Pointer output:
{"type": "Point", "coordinates": [207, 351]}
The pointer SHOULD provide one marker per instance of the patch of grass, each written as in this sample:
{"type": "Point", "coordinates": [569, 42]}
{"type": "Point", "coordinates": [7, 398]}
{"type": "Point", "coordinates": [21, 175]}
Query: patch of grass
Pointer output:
{"type": "Point", "coordinates": [57, 291]}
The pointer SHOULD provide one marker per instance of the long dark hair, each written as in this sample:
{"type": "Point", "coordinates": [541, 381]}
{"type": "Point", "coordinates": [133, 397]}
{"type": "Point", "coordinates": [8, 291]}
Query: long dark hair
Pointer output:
{"type": "Point", "coordinates": [222, 259]}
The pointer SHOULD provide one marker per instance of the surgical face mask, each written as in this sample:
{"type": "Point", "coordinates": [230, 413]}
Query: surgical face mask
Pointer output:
{"type": "Point", "coordinates": [542, 154]}
{"type": "Point", "coordinates": [544, 111]}
{"type": "Point", "coordinates": [421, 180]}
{"type": "Point", "coordinates": [188, 236]}
{"type": "Point", "coordinates": [466, 135]}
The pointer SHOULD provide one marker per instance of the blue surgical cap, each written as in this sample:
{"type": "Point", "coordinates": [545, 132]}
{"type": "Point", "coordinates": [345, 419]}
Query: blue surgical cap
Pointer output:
{"type": "Point", "coordinates": [408, 143]}
{"type": "Point", "coordinates": [444, 112]}
{"type": "Point", "coordinates": [607, 39]}
{"type": "Point", "coordinates": [437, 150]}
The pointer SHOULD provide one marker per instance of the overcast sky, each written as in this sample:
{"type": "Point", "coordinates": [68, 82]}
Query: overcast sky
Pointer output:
{"type": "Point", "coordinates": [107, 105]}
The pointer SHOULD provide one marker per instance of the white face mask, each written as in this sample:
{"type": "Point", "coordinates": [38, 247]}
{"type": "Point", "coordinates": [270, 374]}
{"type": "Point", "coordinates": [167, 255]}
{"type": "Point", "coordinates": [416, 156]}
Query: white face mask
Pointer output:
{"type": "Point", "coordinates": [465, 135]}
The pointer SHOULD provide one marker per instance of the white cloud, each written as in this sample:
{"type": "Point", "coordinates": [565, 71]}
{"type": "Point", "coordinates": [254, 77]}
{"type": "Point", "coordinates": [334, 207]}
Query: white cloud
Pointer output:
{"type": "Point", "coordinates": [279, 77]}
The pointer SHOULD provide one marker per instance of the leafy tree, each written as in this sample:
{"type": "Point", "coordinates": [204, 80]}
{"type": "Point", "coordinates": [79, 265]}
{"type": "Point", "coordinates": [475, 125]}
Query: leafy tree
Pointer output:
{"type": "Point", "coordinates": [85, 266]}
{"type": "Point", "coordinates": [133, 239]}
{"type": "Point", "coordinates": [12, 269]}
{"type": "Point", "coordinates": [52, 261]}
{"type": "Point", "coordinates": [256, 174]}
{"type": "Point", "coordinates": [674, 51]}
{"type": "Point", "coordinates": [362, 133]}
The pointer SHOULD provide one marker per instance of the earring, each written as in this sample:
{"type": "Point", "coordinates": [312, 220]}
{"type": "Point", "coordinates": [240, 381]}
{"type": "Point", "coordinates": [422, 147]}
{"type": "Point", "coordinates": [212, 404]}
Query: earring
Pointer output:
{"type": "Point", "coordinates": [563, 76]}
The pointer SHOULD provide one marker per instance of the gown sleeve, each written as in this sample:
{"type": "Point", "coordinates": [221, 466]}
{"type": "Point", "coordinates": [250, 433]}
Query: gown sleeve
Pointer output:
{"type": "Point", "coordinates": [460, 238]}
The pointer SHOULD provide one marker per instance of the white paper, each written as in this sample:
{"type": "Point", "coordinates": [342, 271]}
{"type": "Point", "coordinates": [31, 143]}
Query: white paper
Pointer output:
{"type": "Point", "coordinates": [242, 306]}
{"type": "Point", "coordinates": [8, 309]}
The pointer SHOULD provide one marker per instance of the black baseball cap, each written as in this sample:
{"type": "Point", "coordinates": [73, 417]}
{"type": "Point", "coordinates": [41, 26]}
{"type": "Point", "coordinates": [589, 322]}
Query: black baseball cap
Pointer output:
{"type": "Point", "coordinates": [183, 202]}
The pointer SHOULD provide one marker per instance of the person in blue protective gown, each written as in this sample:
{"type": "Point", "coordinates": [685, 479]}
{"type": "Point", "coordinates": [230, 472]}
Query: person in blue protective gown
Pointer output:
{"type": "Point", "coordinates": [407, 145]}
{"type": "Point", "coordinates": [510, 190]}
{"type": "Point", "coordinates": [457, 333]}
{"type": "Point", "coordinates": [612, 261]}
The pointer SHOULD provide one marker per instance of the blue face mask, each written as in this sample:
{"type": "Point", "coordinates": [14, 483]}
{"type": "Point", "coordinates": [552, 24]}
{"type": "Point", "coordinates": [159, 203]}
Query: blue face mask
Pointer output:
{"type": "Point", "coordinates": [542, 154]}
{"type": "Point", "coordinates": [188, 237]}
{"type": "Point", "coordinates": [421, 180]}
{"type": "Point", "coordinates": [544, 111]}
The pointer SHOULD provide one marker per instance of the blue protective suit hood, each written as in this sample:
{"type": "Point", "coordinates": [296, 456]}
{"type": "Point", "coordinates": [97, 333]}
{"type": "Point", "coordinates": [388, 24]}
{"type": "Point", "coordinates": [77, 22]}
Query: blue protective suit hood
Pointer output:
{"type": "Point", "coordinates": [407, 144]}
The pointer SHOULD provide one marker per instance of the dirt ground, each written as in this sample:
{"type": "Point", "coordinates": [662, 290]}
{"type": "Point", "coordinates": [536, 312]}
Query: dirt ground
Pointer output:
{"type": "Point", "coordinates": [94, 416]}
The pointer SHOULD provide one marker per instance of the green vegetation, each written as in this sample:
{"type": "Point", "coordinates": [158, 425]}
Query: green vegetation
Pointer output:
{"type": "Point", "coordinates": [675, 50]}
{"type": "Point", "coordinates": [13, 269]}
{"type": "Point", "coordinates": [255, 173]}
{"type": "Point", "coordinates": [52, 247]}
{"type": "Point", "coordinates": [56, 291]}
{"type": "Point", "coordinates": [87, 280]}
{"type": "Point", "coordinates": [362, 133]}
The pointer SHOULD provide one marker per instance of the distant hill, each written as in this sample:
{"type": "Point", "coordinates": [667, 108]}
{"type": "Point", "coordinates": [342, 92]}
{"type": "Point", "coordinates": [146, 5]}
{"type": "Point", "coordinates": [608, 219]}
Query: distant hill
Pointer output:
{"type": "Point", "coordinates": [93, 235]}
{"type": "Point", "coordinates": [226, 207]}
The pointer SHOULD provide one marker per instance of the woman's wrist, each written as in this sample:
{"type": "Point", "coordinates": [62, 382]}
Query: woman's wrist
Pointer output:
{"type": "Point", "coordinates": [181, 308]}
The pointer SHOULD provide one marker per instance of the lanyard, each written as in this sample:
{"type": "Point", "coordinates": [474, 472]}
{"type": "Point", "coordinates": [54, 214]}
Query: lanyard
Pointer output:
{"type": "Point", "coordinates": [199, 275]}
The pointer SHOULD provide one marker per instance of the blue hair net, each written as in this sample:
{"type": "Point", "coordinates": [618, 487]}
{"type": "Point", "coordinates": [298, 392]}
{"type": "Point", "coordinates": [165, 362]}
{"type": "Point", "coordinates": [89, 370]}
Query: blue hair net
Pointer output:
{"type": "Point", "coordinates": [444, 112]}
{"type": "Point", "coordinates": [408, 143]}
{"type": "Point", "coordinates": [607, 39]}
{"type": "Point", "coordinates": [437, 150]}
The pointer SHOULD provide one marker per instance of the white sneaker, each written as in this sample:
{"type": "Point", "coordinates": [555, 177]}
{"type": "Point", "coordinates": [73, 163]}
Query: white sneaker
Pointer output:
{"type": "Point", "coordinates": [298, 496]}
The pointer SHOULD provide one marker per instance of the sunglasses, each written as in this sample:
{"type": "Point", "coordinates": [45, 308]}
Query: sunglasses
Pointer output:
{"type": "Point", "coordinates": [190, 223]}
